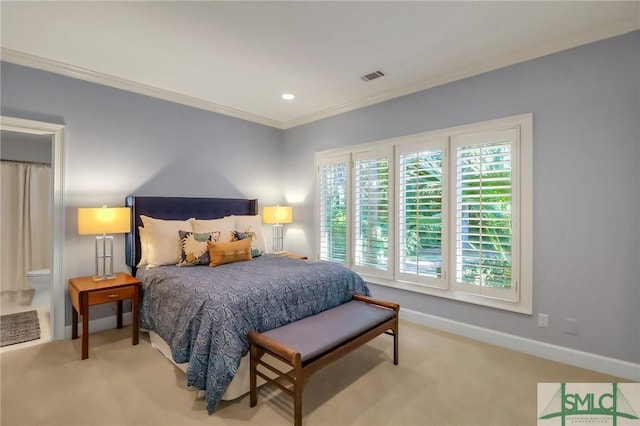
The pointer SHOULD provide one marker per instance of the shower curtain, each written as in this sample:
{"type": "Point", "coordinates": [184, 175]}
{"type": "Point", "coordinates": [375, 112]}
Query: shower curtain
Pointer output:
{"type": "Point", "coordinates": [25, 232]}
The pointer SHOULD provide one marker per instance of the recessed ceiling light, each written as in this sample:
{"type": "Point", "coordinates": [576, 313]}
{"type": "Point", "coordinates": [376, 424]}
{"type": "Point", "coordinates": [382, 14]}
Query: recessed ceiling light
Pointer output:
{"type": "Point", "coordinates": [288, 96]}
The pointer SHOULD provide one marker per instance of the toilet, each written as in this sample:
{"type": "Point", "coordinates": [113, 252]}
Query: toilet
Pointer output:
{"type": "Point", "coordinates": [40, 280]}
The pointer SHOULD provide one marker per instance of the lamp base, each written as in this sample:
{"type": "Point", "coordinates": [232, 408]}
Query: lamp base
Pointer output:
{"type": "Point", "coordinates": [278, 239]}
{"type": "Point", "coordinates": [104, 277]}
{"type": "Point", "coordinates": [104, 258]}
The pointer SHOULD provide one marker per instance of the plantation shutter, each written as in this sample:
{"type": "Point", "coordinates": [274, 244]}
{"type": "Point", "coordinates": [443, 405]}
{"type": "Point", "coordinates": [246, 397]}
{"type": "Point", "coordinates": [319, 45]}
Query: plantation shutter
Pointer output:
{"type": "Point", "coordinates": [333, 185]}
{"type": "Point", "coordinates": [371, 212]}
{"type": "Point", "coordinates": [422, 237]}
{"type": "Point", "coordinates": [485, 191]}
{"type": "Point", "coordinates": [446, 212]}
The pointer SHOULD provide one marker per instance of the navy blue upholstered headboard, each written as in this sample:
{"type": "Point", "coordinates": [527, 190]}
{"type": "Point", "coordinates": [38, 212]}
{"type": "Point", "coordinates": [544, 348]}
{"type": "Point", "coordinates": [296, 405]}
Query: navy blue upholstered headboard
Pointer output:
{"type": "Point", "coordinates": [178, 208]}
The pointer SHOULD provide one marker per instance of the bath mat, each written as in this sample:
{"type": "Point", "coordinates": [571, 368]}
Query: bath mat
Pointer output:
{"type": "Point", "coordinates": [18, 328]}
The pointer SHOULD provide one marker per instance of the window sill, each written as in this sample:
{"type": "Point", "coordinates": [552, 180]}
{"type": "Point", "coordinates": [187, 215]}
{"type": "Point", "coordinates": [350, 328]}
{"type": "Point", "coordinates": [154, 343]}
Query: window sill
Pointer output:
{"type": "Point", "coordinates": [490, 302]}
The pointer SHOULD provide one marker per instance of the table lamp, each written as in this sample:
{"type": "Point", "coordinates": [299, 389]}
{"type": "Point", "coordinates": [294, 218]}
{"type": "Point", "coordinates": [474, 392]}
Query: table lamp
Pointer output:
{"type": "Point", "coordinates": [277, 215]}
{"type": "Point", "coordinates": [100, 222]}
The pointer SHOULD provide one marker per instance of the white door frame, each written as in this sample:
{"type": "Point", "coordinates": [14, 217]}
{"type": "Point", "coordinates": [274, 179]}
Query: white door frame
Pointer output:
{"type": "Point", "coordinates": [58, 287]}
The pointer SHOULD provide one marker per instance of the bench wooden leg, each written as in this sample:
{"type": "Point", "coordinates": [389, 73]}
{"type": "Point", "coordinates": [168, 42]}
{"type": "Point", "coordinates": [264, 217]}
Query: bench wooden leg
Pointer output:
{"type": "Point", "coordinates": [298, 386]}
{"type": "Point", "coordinates": [253, 364]}
{"type": "Point", "coordinates": [297, 406]}
{"type": "Point", "coordinates": [396, 341]}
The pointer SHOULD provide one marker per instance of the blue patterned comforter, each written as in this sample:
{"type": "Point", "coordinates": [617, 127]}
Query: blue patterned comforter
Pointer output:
{"type": "Point", "coordinates": [204, 313]}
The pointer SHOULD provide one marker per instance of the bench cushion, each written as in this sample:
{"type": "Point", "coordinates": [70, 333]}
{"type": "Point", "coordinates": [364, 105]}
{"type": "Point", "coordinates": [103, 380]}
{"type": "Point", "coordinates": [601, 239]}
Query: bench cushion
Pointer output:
{"type": "Point", "coordinates": [317, 334]}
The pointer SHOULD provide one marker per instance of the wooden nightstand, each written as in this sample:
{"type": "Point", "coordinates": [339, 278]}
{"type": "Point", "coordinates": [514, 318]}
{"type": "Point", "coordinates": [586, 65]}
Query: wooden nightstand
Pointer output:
{"type": "Point", "coordinates": [85, 292]}
{"type": "Point", "coordinates": [294, 256]}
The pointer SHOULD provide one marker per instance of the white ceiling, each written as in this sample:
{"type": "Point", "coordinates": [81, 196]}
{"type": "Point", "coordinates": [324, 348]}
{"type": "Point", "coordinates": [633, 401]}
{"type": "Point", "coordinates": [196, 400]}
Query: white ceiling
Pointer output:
{"type": "Point", "coordinates": [238, 57]}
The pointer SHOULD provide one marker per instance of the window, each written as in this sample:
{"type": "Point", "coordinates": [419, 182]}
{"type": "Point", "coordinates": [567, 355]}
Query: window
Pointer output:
{"type": "Point", "coordinates": [371, 212]}
{"type": "Point", "coordinates": [421, 209]}
{"type": "Point", "coordinates": [333, 189]}
{"type": "Point", "coordinates": [446, 213]}
{"type": "Point", "coordinates": [485, 238]}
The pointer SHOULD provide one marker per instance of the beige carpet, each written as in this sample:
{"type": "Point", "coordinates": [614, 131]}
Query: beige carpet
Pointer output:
{"type": "Point", "coordinates": [442, 379]}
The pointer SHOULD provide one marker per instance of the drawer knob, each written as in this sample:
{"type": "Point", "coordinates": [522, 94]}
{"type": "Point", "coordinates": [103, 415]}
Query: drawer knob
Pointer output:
{"type": "Point", "coordinates": [113, 295]}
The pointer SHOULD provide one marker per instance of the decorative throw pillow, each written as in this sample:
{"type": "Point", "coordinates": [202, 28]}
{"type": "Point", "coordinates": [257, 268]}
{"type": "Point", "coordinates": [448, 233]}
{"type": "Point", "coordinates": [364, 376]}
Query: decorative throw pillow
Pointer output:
{"type": "Point", "coordinates": [250, 234]}
{"type": "Point", "coordinates": [193, 247]}
{"type": "Point", "coordinates": [163, 240]}
{"type": "Point", "coordinates": [221, 253]}
{"type": "Point", "coordinates": [225, 225]}
{"type": "Point", "coordinates": [245, 223]}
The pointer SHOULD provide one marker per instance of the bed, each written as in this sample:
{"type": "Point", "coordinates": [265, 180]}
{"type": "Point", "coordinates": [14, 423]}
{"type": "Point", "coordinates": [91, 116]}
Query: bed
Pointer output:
{"type": "Point", "coordinates": [201, 315]}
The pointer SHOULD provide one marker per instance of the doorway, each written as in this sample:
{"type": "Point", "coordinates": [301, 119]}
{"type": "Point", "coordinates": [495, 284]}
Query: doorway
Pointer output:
{"type": "Point", "coordinates": [56, 133]}
{"type": "Point", "coordinates": [25, 163]}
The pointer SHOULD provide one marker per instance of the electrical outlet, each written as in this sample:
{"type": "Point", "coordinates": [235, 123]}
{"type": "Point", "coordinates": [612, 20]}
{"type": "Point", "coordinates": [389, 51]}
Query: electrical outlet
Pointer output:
{"type": "Point", "coordinates": [543, 320]}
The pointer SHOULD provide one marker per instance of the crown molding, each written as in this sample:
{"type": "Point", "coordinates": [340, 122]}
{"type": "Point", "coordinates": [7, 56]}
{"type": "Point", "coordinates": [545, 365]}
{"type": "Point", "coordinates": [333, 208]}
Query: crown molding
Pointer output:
{"type": "Point", "coordinates": [32, 61]}
{"type": "Point", "coordinates": [492, 64]}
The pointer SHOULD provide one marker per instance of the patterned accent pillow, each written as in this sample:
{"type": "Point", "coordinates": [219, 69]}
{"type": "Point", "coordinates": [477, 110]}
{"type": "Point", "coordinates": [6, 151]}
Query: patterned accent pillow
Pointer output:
{"type": "Point", "coordinates": [246, 223]}
{"type": "Point", "coordinates": [252, 235]}
{"type": "Point", "coordinates": [225, 225]}
{"type": "Point", "coordinates": [235, 251]}
{"type": "Point", "coordinates": [193, 247]}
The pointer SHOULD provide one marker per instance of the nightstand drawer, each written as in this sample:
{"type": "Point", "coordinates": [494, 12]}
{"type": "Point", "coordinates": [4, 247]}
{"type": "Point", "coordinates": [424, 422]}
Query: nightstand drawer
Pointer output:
{"type": "Point", "coordinates": [105, 296]}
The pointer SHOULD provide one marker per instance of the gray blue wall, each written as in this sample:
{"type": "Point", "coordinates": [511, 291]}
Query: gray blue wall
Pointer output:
{"type": "Point", "coordinates": [16, 146]}
{"type": "Point", "coordinates": [586, 106]}
{"type": "Point", "coordinates": [586, 146]}
{"type": "Point", "coordinates": [120, 143]}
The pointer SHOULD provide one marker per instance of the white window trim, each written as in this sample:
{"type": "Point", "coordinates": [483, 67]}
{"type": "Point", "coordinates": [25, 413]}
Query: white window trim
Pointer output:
{"type": "Point", "coordinates": [524, 281]}
{"type": "Point", "coordinates": [477, 138]}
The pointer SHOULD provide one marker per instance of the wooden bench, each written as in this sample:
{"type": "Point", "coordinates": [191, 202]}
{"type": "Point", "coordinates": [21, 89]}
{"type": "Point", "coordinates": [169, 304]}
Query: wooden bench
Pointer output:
{"type": "Point", "coordinates": [314, 342]}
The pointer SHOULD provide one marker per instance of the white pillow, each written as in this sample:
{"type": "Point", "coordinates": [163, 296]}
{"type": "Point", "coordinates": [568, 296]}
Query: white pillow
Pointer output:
{"type": "Point", "coordinates": [225, 226]}
{"type": "Point", "coordinates": [252, 223]}
{"type": "Point", "coordinates": [163, 240]}
{"type": "Point", "coordinates": [144, 247]}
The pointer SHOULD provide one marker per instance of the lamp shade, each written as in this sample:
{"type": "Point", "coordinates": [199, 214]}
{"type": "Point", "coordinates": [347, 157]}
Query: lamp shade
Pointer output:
{"type": "Point", "coordinates": [277, 214]}
{"type": "Point", "coordinates": [104, 220]}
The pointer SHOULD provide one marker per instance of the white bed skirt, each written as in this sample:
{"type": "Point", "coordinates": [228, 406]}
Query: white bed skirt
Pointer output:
{"type": "Point", "coordinates": [240, 383]}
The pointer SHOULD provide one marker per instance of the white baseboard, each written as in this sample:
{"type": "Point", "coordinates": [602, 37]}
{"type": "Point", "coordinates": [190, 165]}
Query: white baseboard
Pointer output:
{"type": "Point", "coordinates": [614, 367]}
{"type": "Point", "coordinates": [100, 324]}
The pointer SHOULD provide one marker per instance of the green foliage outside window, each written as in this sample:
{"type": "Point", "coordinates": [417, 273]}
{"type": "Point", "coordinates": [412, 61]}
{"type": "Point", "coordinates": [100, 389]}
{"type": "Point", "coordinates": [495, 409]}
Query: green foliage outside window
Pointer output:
{"type": "Point", "coordinates": [484, 215]}
{"type": "Point", "coordinates": [334, 220]}
{"type": "Point", "coordinates": [483, 221]}
{"type": "Point", "coordinates": [372, 216]}
{"type": "Point", "coordinates": [422, 203]}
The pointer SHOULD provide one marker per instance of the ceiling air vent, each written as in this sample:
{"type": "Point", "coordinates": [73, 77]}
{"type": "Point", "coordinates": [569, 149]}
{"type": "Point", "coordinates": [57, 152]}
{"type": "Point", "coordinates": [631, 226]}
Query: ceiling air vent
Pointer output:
{"type": "Point", "coordinates": [372, 76]}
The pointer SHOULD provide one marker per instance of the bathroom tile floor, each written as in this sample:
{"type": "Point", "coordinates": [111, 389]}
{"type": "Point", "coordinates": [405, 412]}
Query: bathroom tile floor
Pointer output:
{"type": "Point", "coordinates": [14, 302]}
